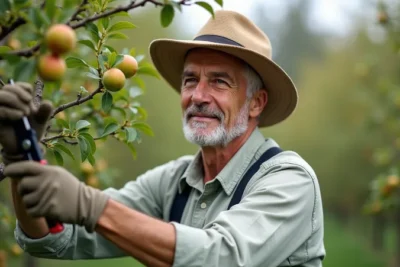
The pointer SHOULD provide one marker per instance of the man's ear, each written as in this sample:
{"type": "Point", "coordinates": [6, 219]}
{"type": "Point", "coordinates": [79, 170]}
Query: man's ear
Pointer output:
{"type": "Point", "coordinates": [258, 102]}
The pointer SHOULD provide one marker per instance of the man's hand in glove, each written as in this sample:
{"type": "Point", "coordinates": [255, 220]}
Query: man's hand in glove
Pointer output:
{"type": "Point", "coordinates": [53, 192]}
{"type": "Point", "coordinates": [16, 102]}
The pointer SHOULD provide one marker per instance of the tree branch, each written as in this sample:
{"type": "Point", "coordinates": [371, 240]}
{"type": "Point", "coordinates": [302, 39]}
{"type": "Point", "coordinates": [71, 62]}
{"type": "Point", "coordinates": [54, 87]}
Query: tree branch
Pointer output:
{"type": "Point", "coordinates": [80, 9]}
{"type": "Point", "coordinates": [7, 30]}
{"type": "Point", "coordinates": [2, 176]}
{"type": "Point", "coordinates": [39, 85]}
{"type": "Point", "coordinates": [31, 51]}
{"type": "Point", "coordinates": [44, 140]}
{"type": "Point", "coordinates": [132, 5]}
{"type": "Point", "coordinates": [76, 102]}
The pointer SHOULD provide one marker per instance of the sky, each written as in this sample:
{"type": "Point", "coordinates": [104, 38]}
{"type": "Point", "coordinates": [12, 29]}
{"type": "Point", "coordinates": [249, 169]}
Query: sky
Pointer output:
{"type": "Point", "coordinates": [333, 16]}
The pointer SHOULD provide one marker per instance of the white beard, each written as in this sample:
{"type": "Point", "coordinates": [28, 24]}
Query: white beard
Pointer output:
{"type": "Point", "coordinates": [193, 131]}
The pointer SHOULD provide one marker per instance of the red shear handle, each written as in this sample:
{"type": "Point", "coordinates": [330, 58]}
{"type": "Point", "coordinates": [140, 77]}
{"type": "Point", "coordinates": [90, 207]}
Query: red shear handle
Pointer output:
{"type": "Point", "coordinates": [54, 227]}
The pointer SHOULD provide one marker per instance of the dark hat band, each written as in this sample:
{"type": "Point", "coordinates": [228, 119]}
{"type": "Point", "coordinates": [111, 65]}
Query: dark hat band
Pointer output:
{"type": "Point", "coordinates": [216, 39]}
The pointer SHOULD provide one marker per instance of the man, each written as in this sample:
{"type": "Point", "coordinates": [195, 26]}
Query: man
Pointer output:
{"type": "Point", "coordinates": [196, 210]}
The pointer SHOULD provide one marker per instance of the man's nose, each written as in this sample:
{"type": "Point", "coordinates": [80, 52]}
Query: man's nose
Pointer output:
{"type": "Point", "coordinates": [201, 94]}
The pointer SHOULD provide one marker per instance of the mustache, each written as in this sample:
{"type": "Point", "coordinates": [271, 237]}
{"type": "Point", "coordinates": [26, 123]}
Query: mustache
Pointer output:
{"type": "Point", "coordinates": [204, 110]}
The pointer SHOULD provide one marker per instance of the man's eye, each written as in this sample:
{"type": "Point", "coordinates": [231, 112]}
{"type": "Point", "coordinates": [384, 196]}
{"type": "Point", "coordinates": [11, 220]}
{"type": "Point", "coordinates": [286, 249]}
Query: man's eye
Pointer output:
{"type": "Point", "coordinates": [189, 80]}
{"type": "Point", "coordinates": [221, 82]}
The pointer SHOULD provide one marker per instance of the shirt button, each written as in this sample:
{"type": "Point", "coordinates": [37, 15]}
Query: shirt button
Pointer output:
{"type": "Point", "coordinates": [203, 205]}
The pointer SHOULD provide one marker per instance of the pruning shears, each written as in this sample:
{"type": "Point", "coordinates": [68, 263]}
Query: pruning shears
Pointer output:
{"type": "Point", "coordinates": [29, 147]}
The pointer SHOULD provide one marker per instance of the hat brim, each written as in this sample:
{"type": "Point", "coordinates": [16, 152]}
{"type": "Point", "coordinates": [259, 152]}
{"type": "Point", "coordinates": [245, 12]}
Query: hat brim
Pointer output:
{"type": "Point", "coordinates": [168, 57]}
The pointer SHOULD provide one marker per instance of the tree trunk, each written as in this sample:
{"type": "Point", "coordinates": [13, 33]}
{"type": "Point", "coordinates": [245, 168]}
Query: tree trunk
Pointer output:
{"type": "Point", "coordinates": [3, 258]}
{"type": "Point", "coordinates": [30, 261]}
{"type": "Point", "coordinates": [378, 229]}
{"type": "Point", "coordinates": [397, 225]}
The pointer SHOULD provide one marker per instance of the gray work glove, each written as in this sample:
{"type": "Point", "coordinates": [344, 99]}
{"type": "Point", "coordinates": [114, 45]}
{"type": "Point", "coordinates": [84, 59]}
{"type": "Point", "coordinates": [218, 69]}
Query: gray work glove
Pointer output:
{"type": "Point", "coordinates": [16, 102]}
{"type": "Point", "coordinates": [53, 192]}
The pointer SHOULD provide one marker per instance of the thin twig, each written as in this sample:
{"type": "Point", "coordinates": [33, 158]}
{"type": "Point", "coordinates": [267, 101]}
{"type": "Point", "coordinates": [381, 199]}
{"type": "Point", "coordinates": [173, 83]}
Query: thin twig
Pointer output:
{"type": "Point", "coordinates": [7, 30]}
{"type": "Point", "coordinates": [2, 176]}
{"type": "Point", "coordinates": [44, 140]}
{"type": "Point", "coordinates": [80, 9]}
{"type": "Point", "coordinates": [76, 102]}
{"type": "Point", "coordinates": [64, 138]}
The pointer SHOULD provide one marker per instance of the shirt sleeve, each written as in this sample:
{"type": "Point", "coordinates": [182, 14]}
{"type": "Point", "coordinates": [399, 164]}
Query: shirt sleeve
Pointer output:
{"type": "Point", "coordinates": [273, 219]}
{"type": "Point", "coordinates": [144, 194]}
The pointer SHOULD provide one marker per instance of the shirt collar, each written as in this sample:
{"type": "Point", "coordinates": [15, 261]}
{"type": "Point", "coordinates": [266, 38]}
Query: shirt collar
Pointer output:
{"type": "Point", "coordinates": [232, 172]}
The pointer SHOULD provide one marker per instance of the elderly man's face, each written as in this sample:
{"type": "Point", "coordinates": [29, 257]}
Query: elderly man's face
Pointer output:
{"type": "Point", "coordinates": [213, 98]}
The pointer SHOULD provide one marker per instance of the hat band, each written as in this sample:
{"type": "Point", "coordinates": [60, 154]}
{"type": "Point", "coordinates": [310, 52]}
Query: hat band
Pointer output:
{"type": "Point", "coordinates": [216, 39]}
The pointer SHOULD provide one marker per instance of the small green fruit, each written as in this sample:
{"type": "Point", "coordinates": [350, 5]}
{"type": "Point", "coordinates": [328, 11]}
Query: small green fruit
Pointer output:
{"type": "Point", "coordinates": [113, 79]}
{"type": "Point", "coordinates": [60, 39]}
{"type": "Point", "coordinates": [128, 66]}
{"type": "Point", "coordinates": [51, 68]}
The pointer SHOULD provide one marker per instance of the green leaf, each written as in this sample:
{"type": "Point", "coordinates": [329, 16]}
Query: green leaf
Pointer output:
{"type": "Point", "coordinates": [167, 15]}
{"type": "Point", "coordinates": [90, 141]}
{"type": "Point", "coordinates": [58, 157]}
{"type": "Point", "coordinates": [118, 60]}
{"type": "Point", "coordinates": [147, 70]}
{"type": "Point", "coordinates": [91, 159]}
{"type": "Point", "coordinates": [50, 7]}
{"type": "Point", "coordinates": [94, 31]}
{"type": "Point", "coordinates": [74, 62]}
{"type": "Point", "coordinates": [106, 101]}
{"type": "Point", "coordinates": [121, 25]}
{"type": "Point", "coordinates": [112, 49]}
{"type": "Point", "coordinates": [120, 110]}
{"type": "Point", "coordinates": [131, 134]}
{"type": "Point", "coordinates": [111, 58]}
{"type": "Point", "coordinates": [118, 35]}
{"type": "Point", "coordinates": [24, 70]}
{"type": "Point", "coordinates": [93, 76]}
{"type": "Point", "coordinates": [139, 81]}
{"type": "Point", "coordinates": [60, 147]}
{"type": "Point", "coordinates": [4, 49]}
{"type": "Point", "coordinates": [206, 6]}
{"type": "Point", "coordinates": [220, 2]}
{"type": "Point", "coordinates": [88, 43]}
{"type": "Point", "coordinates": [122, 14]}
{"type": "Point", "coordinates": [177, 5]}
{"type": "Point", "coordinates": [65, 13]}
{"type": "Point", "coordinates": [93, 70]}
{"type": "Point", "coordinates": [5, 5]}
{"type": "Point", "coordinates": [62, 123]}
{"type": "Point", "coordinates": [102, 60]}
{"type": "Point", "coordinates": [133, 150]}
{"type": "Point", "coordinates": [142, 112]}
{"type": "Point", "coordinates": [21, 4]}
{"type": "Point", "coordinates": [81, 124]}
{"type": "Point", "coordinates": [135, 91]}
{"type": "Point", "coordinates": [110, 128]}
{"type": "Point", "coordinates": [105, 22]}
{"type": "Point", "coordinates": [84, 148]}
{"type": "Point", "coordinates": [144, 127]}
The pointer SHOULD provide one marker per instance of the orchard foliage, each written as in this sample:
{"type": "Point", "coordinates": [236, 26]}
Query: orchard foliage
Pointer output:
{"type": "Point", "coordinates": [67, 50]}
{"type": "Point", "coordinates": [379, 78]}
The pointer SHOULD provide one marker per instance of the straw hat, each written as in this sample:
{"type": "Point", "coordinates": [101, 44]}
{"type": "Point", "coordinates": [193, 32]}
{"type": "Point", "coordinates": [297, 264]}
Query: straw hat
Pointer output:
{"type": "Point", "coordinates": [232, 33]}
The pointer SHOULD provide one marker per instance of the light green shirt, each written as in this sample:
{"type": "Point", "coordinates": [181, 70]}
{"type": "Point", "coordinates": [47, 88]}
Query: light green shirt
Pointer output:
{"type": "Point", "coordinates": [279, 221]}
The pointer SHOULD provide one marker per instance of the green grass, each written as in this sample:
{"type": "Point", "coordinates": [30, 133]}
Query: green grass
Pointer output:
{"type": "Point", "coordinates": [343, 250]}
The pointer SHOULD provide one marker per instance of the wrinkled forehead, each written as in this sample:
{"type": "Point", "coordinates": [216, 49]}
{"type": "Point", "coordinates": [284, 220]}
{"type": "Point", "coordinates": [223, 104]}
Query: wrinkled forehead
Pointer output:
{"type": "Point", "coordinates": [208, 57]}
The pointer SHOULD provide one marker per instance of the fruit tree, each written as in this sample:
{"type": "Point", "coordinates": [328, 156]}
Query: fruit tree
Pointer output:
{"type": "Point", "coordinates": [63, 47]}
{"type": "Point", "coordinates": [380, 83]}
